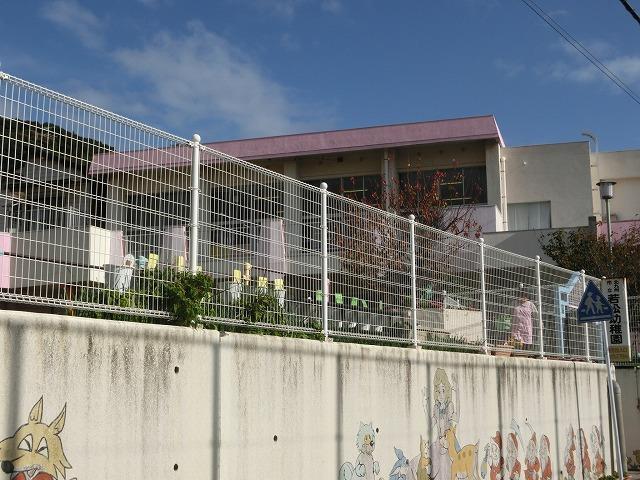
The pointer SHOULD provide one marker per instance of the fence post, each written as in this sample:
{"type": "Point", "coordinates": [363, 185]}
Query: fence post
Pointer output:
{"type": "Point", "coordinates": [414, 292]}
{"type": "Point", "coordinates": [483, 290]}
{"type": "Point", "coordinates": [586, 325]}
{"type": "Point", "coordinates": [195, 203]}
{"type": "Point", "coordinates": [540, 323]}
{"type": "Point", "coordinates": [325, 264]}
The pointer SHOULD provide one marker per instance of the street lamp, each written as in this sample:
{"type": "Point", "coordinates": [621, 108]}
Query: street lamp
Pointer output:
{"type": "Point", "coordinates": [606, 194]}
{"type": "Point", "coordinates": [591, 137]}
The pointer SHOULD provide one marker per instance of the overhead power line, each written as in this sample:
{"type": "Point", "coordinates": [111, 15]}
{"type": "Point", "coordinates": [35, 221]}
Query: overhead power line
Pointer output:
{"type": "Point", "coordinates": [630, 9]}
{"type": "Point", "coordinates": [584, 51]}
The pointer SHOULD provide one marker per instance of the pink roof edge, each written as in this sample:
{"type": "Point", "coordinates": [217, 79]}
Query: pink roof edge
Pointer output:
{"type": "Point", "coordinates": [385, 136]}
{"type": "Point", "coordinates": [313, 143]}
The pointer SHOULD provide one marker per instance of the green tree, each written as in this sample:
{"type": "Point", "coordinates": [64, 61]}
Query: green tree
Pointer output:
{"type": "Point", "coordinates": [582, 249]}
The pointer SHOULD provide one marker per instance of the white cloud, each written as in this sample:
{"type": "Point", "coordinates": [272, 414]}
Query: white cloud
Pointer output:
{"type": "Point", "coordinates": [509, 69]}
{"type": "Point", "coordinates": [154, 3]}
{"type": "Point", "coordinates": [333, 6]}
{"type": "Point", "coordinates": [284, 8]}
{"type": "Point", "coordinates": [80, 21]}
{"type": "Point", "coordinates": [109, 100]}
{"type": "Point", "coordinates": [626, 67]}
{"type": "Point", "coordinates": [200, 77]}
{"type": "Point", "coordinates": [288, 42]}
{"type": "Point", "coordinates": [575, 67]}
{"type": "Point", "coordinates": [289, 8]}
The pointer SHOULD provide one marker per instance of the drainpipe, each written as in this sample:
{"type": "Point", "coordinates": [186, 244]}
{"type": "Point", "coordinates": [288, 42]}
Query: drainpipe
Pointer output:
{"type": "Point", "coordinates": [617, 396]}
{"type": "Point", "coordinates": [503, 191]}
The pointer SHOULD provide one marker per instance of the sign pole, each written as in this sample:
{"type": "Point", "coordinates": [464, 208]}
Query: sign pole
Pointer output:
{"type": "Point", "coordinates": [595, 307]}
{"type": "Point", "coordinates": [612, 404]}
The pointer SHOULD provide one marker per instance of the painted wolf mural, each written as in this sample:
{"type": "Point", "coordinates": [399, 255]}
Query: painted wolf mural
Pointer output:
{"type": "Point", "coordinates": [35, 451]}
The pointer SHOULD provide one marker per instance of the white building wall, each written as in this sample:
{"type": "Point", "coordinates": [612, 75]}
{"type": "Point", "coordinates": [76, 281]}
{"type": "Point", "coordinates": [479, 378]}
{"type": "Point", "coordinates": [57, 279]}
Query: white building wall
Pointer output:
{"type": "Point", "coordinates": [624, 168]}
{"type": "Point", "coordinates": [556, 173]}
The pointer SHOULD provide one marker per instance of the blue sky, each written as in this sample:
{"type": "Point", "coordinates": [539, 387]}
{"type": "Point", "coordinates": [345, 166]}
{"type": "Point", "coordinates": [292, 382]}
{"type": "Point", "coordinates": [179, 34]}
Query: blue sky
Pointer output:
{"type": "Point", "coordinates": [240, 68]}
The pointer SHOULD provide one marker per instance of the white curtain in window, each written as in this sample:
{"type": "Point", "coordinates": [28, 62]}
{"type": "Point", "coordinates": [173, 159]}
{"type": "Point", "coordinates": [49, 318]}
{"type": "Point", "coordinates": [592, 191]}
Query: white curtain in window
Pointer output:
{"type": "Point", "coordinates": [529, 216]}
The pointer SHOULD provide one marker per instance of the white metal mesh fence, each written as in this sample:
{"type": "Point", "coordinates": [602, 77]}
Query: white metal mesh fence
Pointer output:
{"type": "Point", "coordinates": [93, 205]}
{"type": "Point", "coordinates": [97, 215]}
{"type": "Point", "coordinates": [634, 331]}
{"type": "Point", "coordinates": [368, 270]}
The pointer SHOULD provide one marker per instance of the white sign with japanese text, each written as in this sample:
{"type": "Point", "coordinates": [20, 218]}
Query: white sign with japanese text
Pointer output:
{"type": "Point", "coordinates": [618, 328]}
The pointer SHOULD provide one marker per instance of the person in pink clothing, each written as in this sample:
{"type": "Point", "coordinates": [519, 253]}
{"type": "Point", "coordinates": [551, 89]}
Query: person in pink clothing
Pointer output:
{"type": "Point", "coordinates": [522, 323]}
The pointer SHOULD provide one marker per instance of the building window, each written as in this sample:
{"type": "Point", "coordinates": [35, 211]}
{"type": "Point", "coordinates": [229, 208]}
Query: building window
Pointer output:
{"type": "Point", "coordinates": [238, 212]}
{"type": "Point", "coordinates": [529, 216]}
{"type": "Point", "coordinates": [458, 186]}
{"type": "Point", "coordinates": [355, 187]}
{"type": "Point", "coordinates": [149, 211]}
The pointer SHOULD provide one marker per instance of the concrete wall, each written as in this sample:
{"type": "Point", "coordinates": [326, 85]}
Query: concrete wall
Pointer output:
{"type": "Point", "coordinates": [558, 173]}
{"type": "Point", "coordinates": [522, 242]}
{"type": "Point", "coordinates": [146, 401]}
{"type": "Point", "coordinates": [629, 381]}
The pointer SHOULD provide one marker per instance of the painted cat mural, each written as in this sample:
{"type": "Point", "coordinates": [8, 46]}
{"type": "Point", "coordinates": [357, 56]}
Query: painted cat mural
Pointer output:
{"type": "Point", "coordinates": [365, 467]}
{"type": "Point", "coordinates": [517, 454]}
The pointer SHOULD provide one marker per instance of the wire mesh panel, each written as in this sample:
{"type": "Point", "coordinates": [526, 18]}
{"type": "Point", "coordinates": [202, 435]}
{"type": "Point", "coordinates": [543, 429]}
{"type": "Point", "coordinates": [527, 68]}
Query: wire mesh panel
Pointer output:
{"type": "Point", "coordinates": [97, 216]}
{"type": "Point", "coordinates": [448, 282]}
{"type": "Point", "coordinates": [369, 271]}
{"type": "Point", "coordinates": [561, 294]}
{"type": "Point", "coordinates": [512, 306]}
{"type": "Point", "coordinates": [92, 204]}
{"type": "Point", "coordinates": [260, 241]}
{"type": "Point", "coordinates": [634, 328]}
{"type": "Point", "coordinates": [633, 305]}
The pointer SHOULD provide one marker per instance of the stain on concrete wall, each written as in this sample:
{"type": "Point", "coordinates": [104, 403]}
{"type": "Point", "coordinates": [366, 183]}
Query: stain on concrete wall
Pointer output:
{"type": "Point", "coordinates": [166, 402]}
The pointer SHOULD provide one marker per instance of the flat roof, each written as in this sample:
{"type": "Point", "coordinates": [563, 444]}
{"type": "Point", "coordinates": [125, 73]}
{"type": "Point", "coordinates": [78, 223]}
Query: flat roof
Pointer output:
{"type": "Point", "coordinates": [315, 143]}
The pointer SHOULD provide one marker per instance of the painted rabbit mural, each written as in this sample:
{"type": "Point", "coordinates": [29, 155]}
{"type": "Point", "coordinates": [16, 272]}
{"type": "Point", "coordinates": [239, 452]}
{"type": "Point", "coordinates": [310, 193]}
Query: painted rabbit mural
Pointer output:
{"type": "Point", "coordinates": [515, 454]}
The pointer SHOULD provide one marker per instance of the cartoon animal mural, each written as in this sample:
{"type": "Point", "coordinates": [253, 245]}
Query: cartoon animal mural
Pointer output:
{"type": "Point", "coordinates": [569, 455]}
{"type": "Point", "coordinates": [493, 460]}
{"type": "Point", "coordinates": [596, 448]}
{"type": "Point", "coordinates": [366, 467]}
{"type": "Point", "coordinates": [464, 461]}
{"type": "Point", "coordinates": [531, 460]}
{"type": "Point", "coordinates": [584, 455]}
{"type": "Point", "coordinates": [545, 458]}
{"type": "Point", "coordinates": [419, 468]}
{"type": "Point", "coordinates": [421, 465]}
{"type": "Point", "coordinates": [34, 451]}
{"type": "Point", "coordinates": [401, 468]}
{"type": "Point", "coordinates": [442, 458]}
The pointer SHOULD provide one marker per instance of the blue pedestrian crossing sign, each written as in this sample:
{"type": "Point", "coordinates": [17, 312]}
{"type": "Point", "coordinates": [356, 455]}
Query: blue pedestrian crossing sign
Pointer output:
{"type": "Point", "coordinates": [594, 306]}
